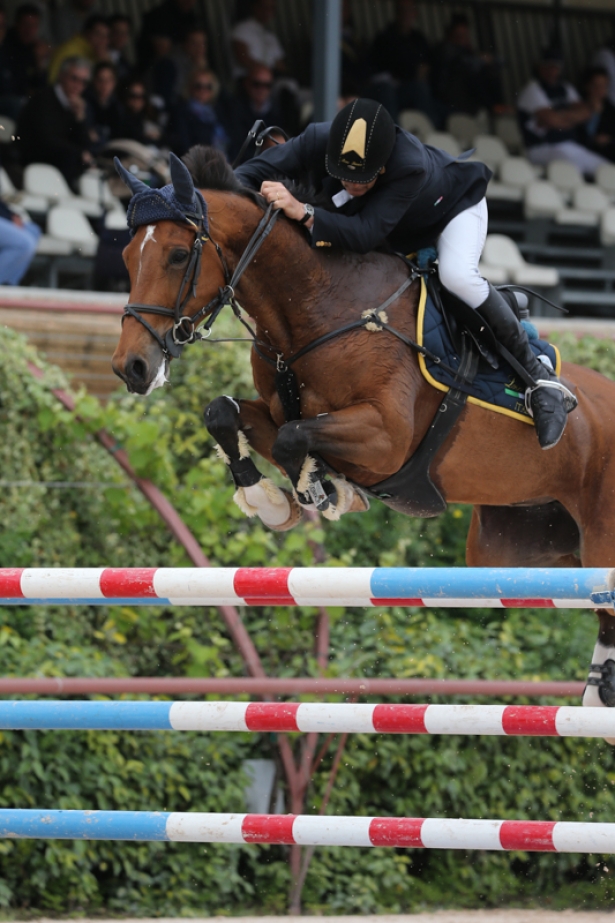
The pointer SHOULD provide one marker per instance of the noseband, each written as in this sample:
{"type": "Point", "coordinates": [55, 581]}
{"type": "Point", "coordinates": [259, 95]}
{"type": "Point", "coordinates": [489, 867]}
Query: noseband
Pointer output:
{"type": "Point", "coordinates": [184, 329]}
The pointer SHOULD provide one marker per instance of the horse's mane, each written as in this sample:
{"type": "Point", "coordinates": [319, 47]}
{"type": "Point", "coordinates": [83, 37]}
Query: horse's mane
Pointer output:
{"type": "Point", "coordinates": [210, 169]}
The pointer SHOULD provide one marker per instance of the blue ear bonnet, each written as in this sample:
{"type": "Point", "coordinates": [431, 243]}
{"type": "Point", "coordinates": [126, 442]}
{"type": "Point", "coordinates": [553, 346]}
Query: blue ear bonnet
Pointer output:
{"type": "Point", "coordinates": [179, 201]}
{"type": "Point", "coordinates": [163, 205]}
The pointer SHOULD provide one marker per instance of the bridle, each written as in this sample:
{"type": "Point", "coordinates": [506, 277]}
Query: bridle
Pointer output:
{"type": "Point", "coordinates": [184, 330]}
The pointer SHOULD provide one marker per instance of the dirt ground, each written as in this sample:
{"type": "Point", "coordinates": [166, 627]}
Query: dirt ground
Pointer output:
{"type": "Point", "coordinates": [444, 916]}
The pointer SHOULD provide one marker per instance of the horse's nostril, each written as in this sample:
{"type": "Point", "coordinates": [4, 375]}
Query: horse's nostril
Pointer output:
{"type": "Point", "coordinates": [136, 370]}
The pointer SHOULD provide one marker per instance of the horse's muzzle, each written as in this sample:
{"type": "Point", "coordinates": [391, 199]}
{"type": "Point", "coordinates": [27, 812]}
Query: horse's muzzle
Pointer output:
{"type": "Point", "coordinates": [137, 373]}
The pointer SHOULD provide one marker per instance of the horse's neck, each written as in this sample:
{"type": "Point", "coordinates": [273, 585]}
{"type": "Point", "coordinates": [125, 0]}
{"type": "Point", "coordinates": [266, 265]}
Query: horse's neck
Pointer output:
{"type": "Point", "coordinates": [296, 293]}
{"type": "Point", "coordinates": [283, 284]}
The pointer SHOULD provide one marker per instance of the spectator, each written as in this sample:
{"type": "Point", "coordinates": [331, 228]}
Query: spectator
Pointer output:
{"type": "Point", "coordinates": [605, 57]}
{"type": "Point", "coordinates": [103, 109]}
{"type": "Point", "coordinates": [551, 114]}
{"type": "Point", "coordinates": [252, 101]}
{"type": "Point", "coordinates": [92, 43]}
{"type": "Point", "coordinates": [52, 126]}
{"type": "Point", "coordinates": [254, 43]}
{"type": "Point", "coordinates": [188, 58]}
{"type": "Point", "coordinates": [161, 75]}
{"type": "Point", "coordinates": [138, 120]}
{"type": "Point", "coordinates": [195, 120]}
{"type": "Point", "coordinates": [21, 56]}
{"type": "Point", "coordinates": [69, 19]}
{"type": "Point", "coordinates": [598, 132]}
{"type": "Point", "coordinates": [354, 65]}
{"type": "Point", "coordinates": [120, 29]}
{"type": "Point", "coordinates": [173, 19]}
{"type": "Point", "coordinates": [401, 58]}
{"type": "Point", "coordinates": [18, 240]}
{"type": "Point", "coordinates": [464, 79]}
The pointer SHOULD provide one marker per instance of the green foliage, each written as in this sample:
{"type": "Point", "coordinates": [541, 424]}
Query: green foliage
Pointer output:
{"type": "Point", "coordinates": [109, 523]}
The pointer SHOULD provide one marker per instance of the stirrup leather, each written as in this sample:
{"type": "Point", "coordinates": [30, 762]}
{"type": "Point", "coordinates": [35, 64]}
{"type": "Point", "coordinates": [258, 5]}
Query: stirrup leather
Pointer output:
{"type": "Point", "coordinates": [570, 401]}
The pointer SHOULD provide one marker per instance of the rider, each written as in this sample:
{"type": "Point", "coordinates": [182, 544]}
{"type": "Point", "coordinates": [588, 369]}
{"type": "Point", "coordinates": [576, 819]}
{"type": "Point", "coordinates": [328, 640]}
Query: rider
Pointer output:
{"type": "Point", "coordinates": [387, 188]}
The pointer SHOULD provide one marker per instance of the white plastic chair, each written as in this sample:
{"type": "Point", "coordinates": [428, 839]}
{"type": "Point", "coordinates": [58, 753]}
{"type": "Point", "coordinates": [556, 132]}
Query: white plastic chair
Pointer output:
{"type": "Point", "coordinates": [445, 142]}
{"type": "Point", "coordinates": [592, 199]}
{"type": "Point", "coordinates": [494, 274]}
{"type": "Point", "coordinates": [463, 128]}
{"type": "Point", "coordinates": [96, 189]}
{"type": "Point", "coordinates": [115, 220]}
{"type": "Point", "coordinates": [490, 150]}
{"type": "Point", "coordinates": [7, 129]}
{"type": "Point", "coordinates": [12, 195]}
{"type": "Point", "coordinates": [565, 176]}
{"type": "Point", "coordinates": [542, 200]}
{"type": "Point", "coordinates": [607, 228]}
{"type": "Point", "coordinates": [517, 171]}
{"type": "Point", "coordinates": [52, 246]}
{"type": "Point", "coordinates": [507, 129]}
{"type": "Point", "coordinates": [42, 179]}
{"type": "Point", "coordinates": [605, 178]}
{"type": "Point", "coordinates": [504, 193]}
{"type": "Point", "coordinates": [71, 225]}
{"type": "Point", "coordinates": [416, 122]}
{"type": "Point", "coordinates": [501, 252]}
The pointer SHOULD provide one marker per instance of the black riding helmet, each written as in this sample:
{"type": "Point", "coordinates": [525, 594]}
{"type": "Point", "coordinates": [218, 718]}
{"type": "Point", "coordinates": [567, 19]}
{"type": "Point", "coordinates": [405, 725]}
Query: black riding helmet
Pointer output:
{"type": "Point", "coordinates": [361, 140]}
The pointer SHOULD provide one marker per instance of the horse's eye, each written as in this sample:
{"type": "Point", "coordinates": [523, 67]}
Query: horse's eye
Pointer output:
{"type": "Point", "coordinates": [179, 256]}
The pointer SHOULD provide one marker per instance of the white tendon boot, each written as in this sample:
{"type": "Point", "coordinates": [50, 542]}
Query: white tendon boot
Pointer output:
{"type": "Point", "coordinates": [275, 507]}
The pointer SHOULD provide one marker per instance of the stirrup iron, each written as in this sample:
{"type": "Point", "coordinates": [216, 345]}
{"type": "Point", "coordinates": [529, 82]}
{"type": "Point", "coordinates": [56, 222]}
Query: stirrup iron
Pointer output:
{"type": "Point", "coordinates": [570, 401]}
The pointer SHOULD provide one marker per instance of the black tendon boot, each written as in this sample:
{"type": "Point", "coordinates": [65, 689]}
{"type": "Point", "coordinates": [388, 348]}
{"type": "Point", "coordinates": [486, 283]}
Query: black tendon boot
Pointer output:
{"type": "Point", "coordinates": [549, 401]}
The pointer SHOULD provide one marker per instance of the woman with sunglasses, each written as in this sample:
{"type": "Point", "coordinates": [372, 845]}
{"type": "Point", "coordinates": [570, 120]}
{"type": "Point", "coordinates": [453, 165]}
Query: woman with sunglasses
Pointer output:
{"type": "Point", "coordinates": [138, 121]}
{"type": "Point", "coordinates": [195, 120]}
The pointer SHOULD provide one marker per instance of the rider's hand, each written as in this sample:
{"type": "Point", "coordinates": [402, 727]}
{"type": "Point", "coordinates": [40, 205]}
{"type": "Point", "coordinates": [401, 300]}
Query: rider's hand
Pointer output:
{"type": "Point", "coordinates": [281, 198]}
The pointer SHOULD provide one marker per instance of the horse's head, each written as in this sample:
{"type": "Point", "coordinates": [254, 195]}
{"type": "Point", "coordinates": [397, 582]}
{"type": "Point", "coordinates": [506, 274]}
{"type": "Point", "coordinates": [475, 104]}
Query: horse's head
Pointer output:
{"type": "Point", "coordinates": [169, 251]}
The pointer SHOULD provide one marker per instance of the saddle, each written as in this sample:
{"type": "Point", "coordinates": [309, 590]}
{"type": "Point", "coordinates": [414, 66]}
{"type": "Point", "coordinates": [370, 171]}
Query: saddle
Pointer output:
{"type": "Point", "coordinates": [469, 365]}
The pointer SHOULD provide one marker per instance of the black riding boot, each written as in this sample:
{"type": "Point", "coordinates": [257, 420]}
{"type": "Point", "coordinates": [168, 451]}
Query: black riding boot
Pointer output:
{"type": "Point", "coordinates": [546, 402]}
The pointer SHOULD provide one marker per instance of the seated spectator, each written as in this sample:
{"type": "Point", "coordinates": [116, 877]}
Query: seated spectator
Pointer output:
{"type": "Point", "coordinates": [173, 19]}
{"type": "Point", "coordinates": [138, 120]}
{"type": "Point", "coordinates": [18, 241]}
{"type": "Point", "coordinates": [103, 108]}
{"type": "Point", "coordinates": [52, 126]}
{"type": "Point", "coordinates": [598, 132]}
{"type": "Point", "coordinates": [195, 120]}
{"type": "Point", "coordinates": [69, 19]}
{"type": "Point", "coordinates": [160, 77]}
{"type": "Point", "coordinates": [254, 43]}
{"type": "Point", "coordinates": [464, 79]}
{"type": "Point", "coordinates": [21, 59]}
{"type": "Point", "coordinates": [401, 58]}
{"type": "Point", "coordinates": [605, 57]}
{"type": "Point", "coordinates": [92, 43]}
{"type": "Point", "coordinates": [252, 101]}
{"type": "Point", "coordinates": [120, 28]}
{"type": "Point", "coordinates": [551, 114]}
{"type": "Point", "coordinates": [188, 58]}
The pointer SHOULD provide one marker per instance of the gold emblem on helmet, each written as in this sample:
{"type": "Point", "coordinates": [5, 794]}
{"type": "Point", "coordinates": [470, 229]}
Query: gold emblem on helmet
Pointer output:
{"type": "Point", "coordinates": [356, 140]}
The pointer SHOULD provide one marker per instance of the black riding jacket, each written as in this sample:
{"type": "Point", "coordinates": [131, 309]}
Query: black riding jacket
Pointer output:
{"type": "Point", "coordinates": [421, 190]}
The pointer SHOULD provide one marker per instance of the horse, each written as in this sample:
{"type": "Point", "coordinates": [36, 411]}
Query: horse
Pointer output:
{"type": "Point", "coordinates": [364, 404]}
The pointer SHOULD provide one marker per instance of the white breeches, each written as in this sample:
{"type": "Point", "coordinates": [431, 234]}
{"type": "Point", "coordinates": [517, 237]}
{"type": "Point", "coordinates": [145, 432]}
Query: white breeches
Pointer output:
{"type": "Point", "coordinates": [586, 161]}
{"type": "Point", "coordinates": [459, 249]}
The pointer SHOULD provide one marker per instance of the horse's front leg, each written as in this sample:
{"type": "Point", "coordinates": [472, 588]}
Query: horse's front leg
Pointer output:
{"type": "Point", "coordinates": [236, 426]}
{"type": "Point", "coordinates": [354, 439]}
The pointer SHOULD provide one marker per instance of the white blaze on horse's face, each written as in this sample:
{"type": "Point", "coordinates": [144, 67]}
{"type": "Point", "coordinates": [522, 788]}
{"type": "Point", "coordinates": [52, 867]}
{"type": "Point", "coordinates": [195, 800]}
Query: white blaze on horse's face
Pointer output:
{"type": "Point", "coordinates": [160, 378]}
{"type": "Point", "coordinates": [149, 235]}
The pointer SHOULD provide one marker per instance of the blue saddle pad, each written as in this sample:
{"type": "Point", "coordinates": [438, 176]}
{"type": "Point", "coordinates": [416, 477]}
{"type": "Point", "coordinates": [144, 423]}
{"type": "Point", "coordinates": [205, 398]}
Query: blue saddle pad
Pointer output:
{"type": "Point", "coordinates": [496, 389]}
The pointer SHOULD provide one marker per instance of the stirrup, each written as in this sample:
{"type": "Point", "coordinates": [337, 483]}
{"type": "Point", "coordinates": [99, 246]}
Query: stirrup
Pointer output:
{"type": "Point", "coordinates": [570, 401]}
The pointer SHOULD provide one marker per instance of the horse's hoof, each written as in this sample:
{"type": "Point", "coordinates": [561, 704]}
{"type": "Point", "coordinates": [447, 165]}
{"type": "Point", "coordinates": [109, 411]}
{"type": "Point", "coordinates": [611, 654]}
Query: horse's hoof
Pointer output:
{"type": "Point", "coordinates": [295, 515]}
{"type": "Point", "coordinates": [349, 500]}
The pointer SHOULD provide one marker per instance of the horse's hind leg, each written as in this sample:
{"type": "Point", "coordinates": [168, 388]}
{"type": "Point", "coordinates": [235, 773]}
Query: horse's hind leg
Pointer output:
{"type": "Point", "coordinates": [236, 426]}
{"type": "Point", "coordinates": [545, 535]}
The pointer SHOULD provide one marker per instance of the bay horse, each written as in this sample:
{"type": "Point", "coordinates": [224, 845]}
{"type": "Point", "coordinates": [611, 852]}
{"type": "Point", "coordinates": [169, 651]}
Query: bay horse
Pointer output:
{"type": "Point", "coordinates": [364, 405]}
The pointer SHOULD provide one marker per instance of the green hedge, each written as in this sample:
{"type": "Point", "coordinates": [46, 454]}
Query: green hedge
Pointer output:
{"type": "Point", "coordinates": [110, 524]}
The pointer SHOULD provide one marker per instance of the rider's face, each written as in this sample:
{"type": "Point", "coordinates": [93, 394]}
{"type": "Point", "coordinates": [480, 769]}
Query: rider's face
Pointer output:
{"type": "Point", "coordinates": [358, 189]}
